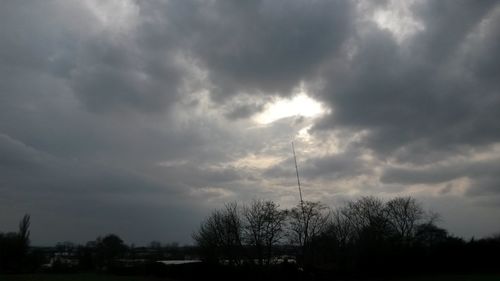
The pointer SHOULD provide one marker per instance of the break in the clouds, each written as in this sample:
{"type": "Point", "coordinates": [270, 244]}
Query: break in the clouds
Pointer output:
{"type": "Point", "coordinates": [138, 117]}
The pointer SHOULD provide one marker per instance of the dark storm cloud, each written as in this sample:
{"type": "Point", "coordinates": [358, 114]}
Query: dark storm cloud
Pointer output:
{"type": "Point", "coordinates": [335, 167]}
{"type": "Point", "coordinates": [260, 46]}
{"type": "Point", "coordinates": [16, 155]}
{"type": "Point", "coordinates": [107, 68]}
{"type": "Point", "coordinates": [28, 36]}
{"type": "Point", "coordinates": [343, 165]}
{"type": "Point", "coordinates": [447, 24]}
{"type": "Point", "coordinates": [194, 176]}
{"type": "Point", "coordinates": [482, 174]}
{"type": "Point", "coordinates": [78, 200]}
{"type": "Point", "coordinates": [241, 111]}
{"type": "Point", "coordinates": [33, 171]}
{"type": "Point", "coordinates": [117, 112]}
{"type": "Point", "coordinates": [125, 75]}
{"type": "Point", "coordinates": [419, 94]}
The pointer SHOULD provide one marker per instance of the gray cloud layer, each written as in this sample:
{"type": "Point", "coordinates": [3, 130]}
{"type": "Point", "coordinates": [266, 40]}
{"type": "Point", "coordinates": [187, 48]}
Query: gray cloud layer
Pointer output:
{"type": "Point", "coordinates": [137, 117]}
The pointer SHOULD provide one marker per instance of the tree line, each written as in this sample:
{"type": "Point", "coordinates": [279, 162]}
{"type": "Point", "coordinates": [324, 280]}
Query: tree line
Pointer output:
{"type": "Point", "coordinates": [107, 253]}
{"type": "Point", "coordinates": [367, 235]}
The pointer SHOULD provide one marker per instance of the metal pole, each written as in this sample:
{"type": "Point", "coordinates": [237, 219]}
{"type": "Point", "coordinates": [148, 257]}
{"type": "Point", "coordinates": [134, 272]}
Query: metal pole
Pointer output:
{"type": "Point", "coordinates": [297, 171]}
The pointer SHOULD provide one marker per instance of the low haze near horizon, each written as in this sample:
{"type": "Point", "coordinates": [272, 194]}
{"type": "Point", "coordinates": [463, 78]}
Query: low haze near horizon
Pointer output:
{"type": "Point", "coordinates": [140, 117]}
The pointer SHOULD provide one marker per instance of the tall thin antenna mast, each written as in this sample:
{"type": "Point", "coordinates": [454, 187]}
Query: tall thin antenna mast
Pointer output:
{"type": "Point", "coordinates": [297, 171]}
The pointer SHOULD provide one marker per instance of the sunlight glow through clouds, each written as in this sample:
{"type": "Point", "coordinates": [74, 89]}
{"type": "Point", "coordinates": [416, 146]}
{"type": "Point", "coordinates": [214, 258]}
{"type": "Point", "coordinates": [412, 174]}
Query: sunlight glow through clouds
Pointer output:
{"type": "Point", "coordinates": [299, 105]}
{"type": "Point", "coordinates": [398, 19]}
{"type": "Point", "coordinates": [395, 16]}
{"type": "Point", "coordinates": [114, 14]}
{"type": "Point", "coordinates": [257, 161]}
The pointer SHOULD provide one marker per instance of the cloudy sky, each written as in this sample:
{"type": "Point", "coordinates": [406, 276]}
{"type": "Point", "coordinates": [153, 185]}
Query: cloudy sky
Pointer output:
{"type": "Point", "coordinates": [139, 117]}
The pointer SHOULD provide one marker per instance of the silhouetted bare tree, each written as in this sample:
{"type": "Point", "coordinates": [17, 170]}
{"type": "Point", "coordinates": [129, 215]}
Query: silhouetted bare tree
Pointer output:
{"type": "Point", "coordinates": [404, 214]}
{"type": "Point", "coordinates": [341, 228]}
{"type": "Point", "coordinates": [14, 247]}
{"type": "Point", "coordinates": [263, 227]}
{"type": "Point", "coordinates": [366, 217]}
{"type": "Point", "coordinates": [220, 235]}
{"type": "Point", "coordinates": [24, 233]}
{"type": "Point", "coordinates": [429, 234]}
{"type": "Point", "coordinates": [307, 221]}
{"type": "Point", "coordinates": [363, 236]}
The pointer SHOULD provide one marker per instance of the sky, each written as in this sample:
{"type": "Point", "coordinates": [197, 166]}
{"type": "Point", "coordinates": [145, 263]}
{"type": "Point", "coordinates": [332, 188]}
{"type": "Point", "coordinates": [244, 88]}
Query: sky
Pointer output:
{"type": "Point", "coordinates": [140, 117]}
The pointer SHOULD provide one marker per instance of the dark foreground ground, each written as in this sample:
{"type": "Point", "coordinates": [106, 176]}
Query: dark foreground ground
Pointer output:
{"type": "Point", "coordinates": [108, 277]}
{"type": "Point", "coordinates": [473, 277]}
{"type": "Point", "coordinates": [76, 277]}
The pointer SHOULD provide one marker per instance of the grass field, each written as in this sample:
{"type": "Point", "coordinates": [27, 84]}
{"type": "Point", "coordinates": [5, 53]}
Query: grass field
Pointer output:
{"type": "Point", "coordinates": [472, 277]}
{"type": "Point", "coordinates": [76, 277]}
{"type": "Point", "coordinates": [106, 277]}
